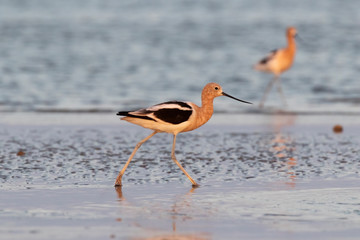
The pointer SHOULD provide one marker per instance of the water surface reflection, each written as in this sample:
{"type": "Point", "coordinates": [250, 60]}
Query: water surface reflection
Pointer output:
{"type": "Point", "coordinates": [177, 209]}
{"type": "Point", "coordinates": [283, 146]}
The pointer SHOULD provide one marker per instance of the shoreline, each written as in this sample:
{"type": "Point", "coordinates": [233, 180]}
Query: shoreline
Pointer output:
{"type": "Point", "coordinates": [255, 119]}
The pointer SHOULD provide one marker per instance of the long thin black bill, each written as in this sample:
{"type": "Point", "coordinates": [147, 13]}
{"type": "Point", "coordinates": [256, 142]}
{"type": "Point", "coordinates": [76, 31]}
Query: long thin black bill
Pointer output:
{"type": "Point", "coordinates": [225, 94]}
{"type": "Point", "coordinates": [299, 38]}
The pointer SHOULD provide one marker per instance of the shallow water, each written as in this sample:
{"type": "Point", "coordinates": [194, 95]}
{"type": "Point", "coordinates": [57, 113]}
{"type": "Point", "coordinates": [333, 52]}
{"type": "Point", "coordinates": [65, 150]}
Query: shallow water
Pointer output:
{"type": "Point", "coordinates": [75, 155]}
{"type": "Point", "coordinates": [117, 55]}
{"type": "Point", "coordinates": [275, 181]}
{"type": "Point", "coordinates": [173, 211]}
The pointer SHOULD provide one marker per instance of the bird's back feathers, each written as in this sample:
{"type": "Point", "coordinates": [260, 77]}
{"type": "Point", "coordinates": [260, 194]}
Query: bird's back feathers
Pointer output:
{"type": "Point", "coordinates": [173, 112]}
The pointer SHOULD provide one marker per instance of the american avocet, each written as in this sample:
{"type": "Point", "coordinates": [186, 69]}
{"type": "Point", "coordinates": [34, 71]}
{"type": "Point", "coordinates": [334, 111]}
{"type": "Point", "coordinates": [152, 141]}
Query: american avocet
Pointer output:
{"type": "Point", "coordinates": [173, 117]}
{"type": "Point", "coordinates": [278, 61]}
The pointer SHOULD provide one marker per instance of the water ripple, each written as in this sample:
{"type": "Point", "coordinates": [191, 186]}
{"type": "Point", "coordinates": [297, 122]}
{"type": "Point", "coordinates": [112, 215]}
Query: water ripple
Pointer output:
{"type": "Point", "coordinates": [76, 155]}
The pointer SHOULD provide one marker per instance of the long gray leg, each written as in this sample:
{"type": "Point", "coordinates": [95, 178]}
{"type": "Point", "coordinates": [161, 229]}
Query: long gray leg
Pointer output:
{"type": "Point", "coordinates": [179, 165]}
{"type": "Point", "coordinates": [268, 88]}
{"type": "Point", "coordinates": [281, 91]}
{"type": "Point", "coordinates": [118, 179]}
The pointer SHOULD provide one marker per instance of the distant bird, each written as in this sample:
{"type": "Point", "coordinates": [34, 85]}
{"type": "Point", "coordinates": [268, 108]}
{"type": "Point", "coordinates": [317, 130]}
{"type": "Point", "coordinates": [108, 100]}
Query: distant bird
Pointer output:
{"type": "Point", "coordinates": [278, 61]}
{"type": "Point", "coordinates": [173, 117]}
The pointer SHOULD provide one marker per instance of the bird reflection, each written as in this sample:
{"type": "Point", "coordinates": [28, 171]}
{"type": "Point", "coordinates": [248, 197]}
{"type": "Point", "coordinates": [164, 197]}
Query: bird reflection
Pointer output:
{"type": "Point", "coordinates": [176, 209]}
{"type": "Point", "coordinates": [180, 211]}
{"type": "Point", "coordinates": [291, 172]}
{"type": "Point", "coordinates": [283, 146]}
{"type": "Point", "coordinates": [119, 193]}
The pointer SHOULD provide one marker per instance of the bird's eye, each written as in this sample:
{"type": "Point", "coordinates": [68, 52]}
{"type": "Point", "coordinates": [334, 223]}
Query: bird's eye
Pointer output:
{"type": "Point", "coordinates": [216, 88]}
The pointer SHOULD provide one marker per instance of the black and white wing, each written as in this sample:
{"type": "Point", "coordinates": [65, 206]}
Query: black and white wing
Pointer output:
{"type": "Point", "coordinates": [268, 58]}
{"type": "Point", "coordinates": [173, 112]}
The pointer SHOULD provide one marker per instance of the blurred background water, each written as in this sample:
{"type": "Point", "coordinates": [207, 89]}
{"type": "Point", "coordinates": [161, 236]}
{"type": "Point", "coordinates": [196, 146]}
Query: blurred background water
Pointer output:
{"type": "Point", "coordinates": [96, 55]}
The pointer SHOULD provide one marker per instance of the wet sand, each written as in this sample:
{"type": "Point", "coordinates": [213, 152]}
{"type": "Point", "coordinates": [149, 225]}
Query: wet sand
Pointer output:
{"type": "Point", "coordinates": [279, 176]}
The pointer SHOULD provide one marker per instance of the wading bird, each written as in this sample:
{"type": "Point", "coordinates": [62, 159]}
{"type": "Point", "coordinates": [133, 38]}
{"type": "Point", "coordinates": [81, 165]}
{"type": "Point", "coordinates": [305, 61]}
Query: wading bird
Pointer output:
{"type": "Point", "coordinates": [173, 117]}
{"type": "Point", "coordinates": [278, 61]}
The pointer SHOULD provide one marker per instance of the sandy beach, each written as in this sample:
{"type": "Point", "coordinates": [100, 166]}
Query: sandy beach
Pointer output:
{"type": "Point", "coordinates": [278, 176]}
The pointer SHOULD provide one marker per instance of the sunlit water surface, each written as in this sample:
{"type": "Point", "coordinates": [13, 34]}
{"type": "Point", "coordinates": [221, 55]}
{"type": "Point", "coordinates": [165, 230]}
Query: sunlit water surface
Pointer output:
{"type": "Point", "coordinates": [57, 182]}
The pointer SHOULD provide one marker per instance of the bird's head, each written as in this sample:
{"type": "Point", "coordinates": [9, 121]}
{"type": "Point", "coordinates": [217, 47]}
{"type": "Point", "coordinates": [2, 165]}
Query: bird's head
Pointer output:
{"type": "Point", "coordinates": [213, 90]}
{"type": "Point", "coordinates": [291, 32]}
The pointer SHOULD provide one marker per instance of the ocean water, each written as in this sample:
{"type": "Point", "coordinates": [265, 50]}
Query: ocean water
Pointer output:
{"type": "Point", "coordinates": [80, 55]}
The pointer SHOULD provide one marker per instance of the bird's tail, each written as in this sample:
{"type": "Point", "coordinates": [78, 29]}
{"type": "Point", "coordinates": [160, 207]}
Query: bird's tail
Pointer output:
{"type": "Point", "coordinates": [123, 114]}
{"type": "Point", "coordinates": [129, 116]}
{"type": "Point", "coordinates": [260, 67]}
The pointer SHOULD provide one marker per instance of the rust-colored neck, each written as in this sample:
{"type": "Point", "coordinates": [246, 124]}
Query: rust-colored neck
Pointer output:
{"type": "Point", "coordinates": [291, 45]}
{"type": "Point", "coordinates": [207, 108]}
{"type": "Point", "coordinates": [203, 113]}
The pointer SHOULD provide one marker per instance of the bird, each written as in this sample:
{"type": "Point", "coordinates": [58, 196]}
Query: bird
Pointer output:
{"type": "Point", "coordinates": [277, 62]}
{"type": "Point", "coordinates": [173, 117]}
